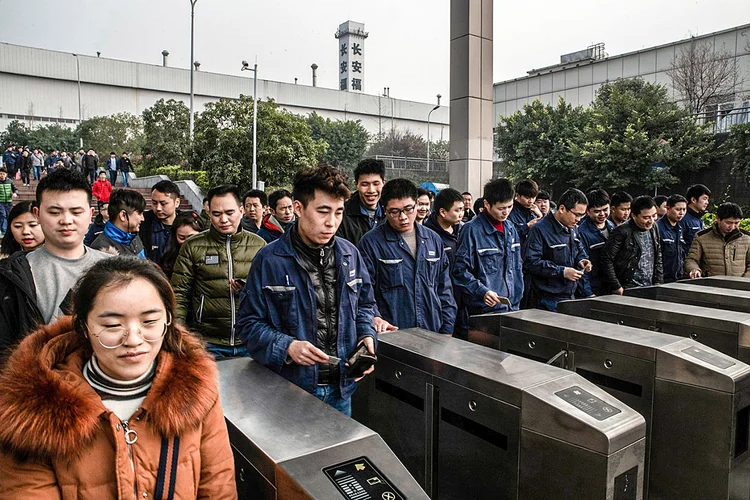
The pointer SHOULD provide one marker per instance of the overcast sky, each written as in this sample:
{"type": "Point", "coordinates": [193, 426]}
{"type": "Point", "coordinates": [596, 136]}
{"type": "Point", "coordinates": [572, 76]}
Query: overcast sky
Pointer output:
{"type": "Point", "coordinates": [408, 47]}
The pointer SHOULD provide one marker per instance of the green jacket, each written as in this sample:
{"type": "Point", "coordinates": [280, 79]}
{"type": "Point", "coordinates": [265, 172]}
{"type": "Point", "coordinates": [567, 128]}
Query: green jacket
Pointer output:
{"type": "Point", "coordinates": [7, 188]}
{"type": "Point", "coordinates": [201, 282]}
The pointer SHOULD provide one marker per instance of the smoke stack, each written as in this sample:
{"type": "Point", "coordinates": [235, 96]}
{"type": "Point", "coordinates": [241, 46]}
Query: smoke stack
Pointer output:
{"type": "Point", "coordinates": [315, 74]}
{"type": "Point", "coordinates": [197, 65]}
{"type": "Point", "coordinates": [164, 56]}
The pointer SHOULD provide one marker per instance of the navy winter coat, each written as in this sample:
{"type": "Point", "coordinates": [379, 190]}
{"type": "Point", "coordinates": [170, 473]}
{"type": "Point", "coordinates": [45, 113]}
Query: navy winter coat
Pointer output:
{"type": "Point", "coordinates": [593, 242]}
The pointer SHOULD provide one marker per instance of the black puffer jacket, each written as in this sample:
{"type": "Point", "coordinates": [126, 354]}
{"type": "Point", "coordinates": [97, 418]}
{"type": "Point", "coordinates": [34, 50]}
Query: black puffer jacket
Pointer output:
{"type": "Point", "coordinates": [354, 224]}
{"type": "Point", "coordinates": [619, 259]}
{"type": "Point", "coordinates": [19, 310]}
{"type": "Point", "coordinates": [320, 265]}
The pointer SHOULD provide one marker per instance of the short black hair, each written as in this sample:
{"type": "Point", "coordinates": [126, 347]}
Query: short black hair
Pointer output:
{"type": "Point", "coordinates": [479, 205]}
{"type": "Point", "coordinates": [543, 195]}
{"type": "Point", "coordinates": [224, 190]}
{"type": "Point", "coordinates": [465, 193]}
{"type": "Point", "coordinates": [255, 193]}
{"type": "Point", "coordinates": [696, 191]}
{"type": "Point", "coordinates": [497, 191]}
{"type": "Point", "coordinates": [125, 199]}
{"type": "Point", "coordinates": [728, 211]}
{"type": "Point", "coordinates": [641, 203]}
{"type": "Point", "coordinates": [621, 197]}
{"type": "Point", "coordinates": [659, 199]}
{"type": "Point", "coordinates": [446, 198]}
{"type": "Point", "coordinates": [424, 192]}
{"type": "Point", "coordinates": [369, 166]}
{"type": "Point", "coordinates": [3, 169]}
{"type": "Point", "coordinates": [528, 188]}
{"type": "Point", "coordinates": [571, 198]}
{"type": "Point", "coordinates": [273, 198]}
{"type": "Point", "coordinates": [675, 199]}
{"type": "Point", "coordinates": [167, 187]}
{"type": "Point", "coordinates": [323, 178]}
{"type": "Point", "coordinates": [597, 198]}
{"type": "Point", "coordinates": [113, 153]}
{"type": "Point", "coordinates": [205, 200]}
{"type": "Point", "coordinates": [64, 181]}
{"type": "Point", "coordinates": [398, 189]}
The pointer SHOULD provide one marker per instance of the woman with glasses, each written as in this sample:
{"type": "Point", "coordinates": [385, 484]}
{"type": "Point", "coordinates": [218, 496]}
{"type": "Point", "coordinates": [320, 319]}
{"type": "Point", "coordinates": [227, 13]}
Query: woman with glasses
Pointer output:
{"type": "Point", "coordinates": [115, 401]}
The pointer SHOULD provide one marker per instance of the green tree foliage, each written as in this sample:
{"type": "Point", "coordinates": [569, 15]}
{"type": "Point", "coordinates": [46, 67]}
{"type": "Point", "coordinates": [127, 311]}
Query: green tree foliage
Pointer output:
{"type": "Point", "coordinates": [16, 134]}
{"type": "Point", "coordinates": [223, 143]}
{"type": "Point", "coordinates": [119, 132]}
{"type": "Point", "coordinates": [347, 141]}
{"type": "Point", "coordinates": [738, 145]}
{"type": "Point", "coordinates": [395, 142]}
{"type": "Point", "coordinates": [535, 143]}
{"type": "Point", "coordinates": [166, 129]}
{"type": "Point", "coordinates": [47, 137]}
{"type": "Point", "coordinates": [633, 127]}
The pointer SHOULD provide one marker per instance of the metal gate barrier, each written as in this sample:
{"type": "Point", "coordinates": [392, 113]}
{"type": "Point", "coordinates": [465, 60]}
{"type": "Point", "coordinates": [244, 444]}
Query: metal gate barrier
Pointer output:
{"type": "Point", "coordinates": [696, 400]}
{"type": "Point", "coordinates": [734, 282]}
{"type": "Point", "coordinates": [695, 295]}
{"type": "Point", "coordinates": [288, 444]}
{"type": "Point", "coordinates": [474, 423]}
{"type": "Point", "coordinates": [726, 331]}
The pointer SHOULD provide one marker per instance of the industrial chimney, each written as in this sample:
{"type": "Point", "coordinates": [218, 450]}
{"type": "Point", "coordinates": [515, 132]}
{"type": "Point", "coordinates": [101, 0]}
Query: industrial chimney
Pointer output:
{"type": "Point", "coordinates": [164, 56]}
{"type": "Point", "coordinates": [315, 74]}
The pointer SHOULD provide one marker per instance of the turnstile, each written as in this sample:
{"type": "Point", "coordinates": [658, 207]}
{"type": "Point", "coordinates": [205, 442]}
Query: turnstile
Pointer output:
{"type": "Point", "coordinates": [474, 423]}
{"type": "Point", "coordinates": [288, 444]}
{"type": "Point", "coordinates": [695, 295]}
{"type": "Point", "coordinates": [696, 400]}
{"type": "Point", "coordinates": [734, 282]}
{"type": "Point", "coordinates": [727, 331]}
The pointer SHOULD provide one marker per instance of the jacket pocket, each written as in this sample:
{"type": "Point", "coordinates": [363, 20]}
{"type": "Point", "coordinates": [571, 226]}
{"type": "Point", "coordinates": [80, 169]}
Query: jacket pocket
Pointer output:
{"type": "Point", "coordinates": [352, 288]}
{"type": "Point", "coordinates": [432, 265]}
{"type": "Point", "coordinates": [490, 259]}
{"type": "Point", "coordinates": [560, 254]}
{"type": "Point", "coordinates": [390, 273]}
{"type": "Point", "coordinates": [283, 307]}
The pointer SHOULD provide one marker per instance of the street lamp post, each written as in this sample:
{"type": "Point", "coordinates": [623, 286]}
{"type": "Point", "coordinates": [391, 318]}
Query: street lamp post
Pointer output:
{"type": "Point", "coordinates": [428, 130]}
{"type": "Point", "coordinates": [192, 58]}
{"type": "Point", "coordinates": [246, 67]}
{"type": "Point", "coordinates": [80, 114]}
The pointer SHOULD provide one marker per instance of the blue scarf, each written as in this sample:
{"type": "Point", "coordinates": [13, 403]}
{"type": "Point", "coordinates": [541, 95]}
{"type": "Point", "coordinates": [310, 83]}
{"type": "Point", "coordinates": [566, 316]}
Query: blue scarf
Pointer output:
{"type": "Point", "coordinates": [117, 235]}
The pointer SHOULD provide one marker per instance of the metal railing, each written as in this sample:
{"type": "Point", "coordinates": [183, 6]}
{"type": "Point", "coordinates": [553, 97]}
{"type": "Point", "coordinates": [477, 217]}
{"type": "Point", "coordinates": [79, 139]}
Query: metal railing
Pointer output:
{"type": "Point", "coordinates": [724, 116]}
{"type": "Point", "coordinates": [418, 164]}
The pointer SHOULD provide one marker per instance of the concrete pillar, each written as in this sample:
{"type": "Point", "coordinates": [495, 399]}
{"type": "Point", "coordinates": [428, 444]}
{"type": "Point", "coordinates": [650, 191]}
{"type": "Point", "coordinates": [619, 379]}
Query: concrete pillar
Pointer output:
{"type": "Point", "coordinates": [471, 117]}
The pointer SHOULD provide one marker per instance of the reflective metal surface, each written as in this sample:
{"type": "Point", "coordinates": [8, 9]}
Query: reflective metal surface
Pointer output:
{"type": "Point", "coordinates": [696, 295]}
{"type": "Point", "coordinates": [733, 282]}
{"type": "Point", "coordinates": [283, 438]}
{"type": "Point", "coordinates": [696, 400]}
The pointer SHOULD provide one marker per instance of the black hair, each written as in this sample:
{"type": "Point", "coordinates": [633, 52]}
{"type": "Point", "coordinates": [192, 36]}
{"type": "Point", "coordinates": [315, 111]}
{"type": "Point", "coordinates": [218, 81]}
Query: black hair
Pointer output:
{"type": "Point", "coordinates": [63, 180]}
{"type": "Point", "coordinates": [324, 178]}
{"type": "Point", "coordinates": [641, 203]}
{"type": "Point", "coordinates": [446, 198]}
{"type": "Point", "coordinates": [659, 199]}
{"type": "Point", "coordinates": [543, 195]}
{"type": "Point", "coordinates": [465, 193]}
{"type": "Point", "coordinates": [621, 197]}
{"type": "Point", "coordinates": [528, 188]}
{"type": "Point", "coordinates": [224, 190]}
{"type": "Point", "coordinates": [479, 205]}
{"type": "Point", "coordinates": [728, 211]}
{"type": "Point", "coordinates": [3, 169]}
{"type": "Point", "coordinates": [273, 198]}
{"type": "Point", "coordinates": [205, 200]}
{"type": "Point", "coordinates": [255, 193]}
{"type": "Point", "coordinates": [9, 244]}
{"type": "Point", "coordinates": [398, 189]}
{"type": "Point", "coordinates": [424, 192]}
{"type": "Point", "coordinates": [696, 191]}
{"type": "Point", "coordinates": [571, 198]}
{"type": "Point", "coordinates": [369, 166]}
{"type": "Point", "coordinates": [113, 153]}
{"type": "Point", "coordinates": [116, 272]}
{"type": "Point", "coordinates": [597, 198]}
{"type": "Point", "coordinates": [167, 187]}
{"type": "Point", "coordinates": [497, 191]}
{"type": "Point", "coordinates": [187, 218]}
{"type": "Point", "coordinates": [675, 199]}
{"type": "Point", "coordinates": [125, 199]}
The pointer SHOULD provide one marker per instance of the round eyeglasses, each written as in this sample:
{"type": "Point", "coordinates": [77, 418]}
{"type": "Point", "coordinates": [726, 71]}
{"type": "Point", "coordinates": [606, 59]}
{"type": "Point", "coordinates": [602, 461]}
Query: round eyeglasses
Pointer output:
{"type": "Point", "coordinates": [112, 337]}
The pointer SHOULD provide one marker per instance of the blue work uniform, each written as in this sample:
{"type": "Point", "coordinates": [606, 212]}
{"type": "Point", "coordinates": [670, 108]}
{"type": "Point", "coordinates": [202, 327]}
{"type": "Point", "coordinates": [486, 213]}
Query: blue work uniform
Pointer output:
{"type": "Point", "coordinates": [692, 224]}
{"type": "Point", "coordinates": [674, 249]}
{"type": "Point", "coordinates": [593, 240]}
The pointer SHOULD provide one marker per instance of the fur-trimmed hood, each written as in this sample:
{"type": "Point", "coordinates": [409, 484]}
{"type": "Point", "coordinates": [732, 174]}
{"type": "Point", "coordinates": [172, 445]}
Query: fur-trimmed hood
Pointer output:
{"type": "Point", "coordinates": [48, 410]}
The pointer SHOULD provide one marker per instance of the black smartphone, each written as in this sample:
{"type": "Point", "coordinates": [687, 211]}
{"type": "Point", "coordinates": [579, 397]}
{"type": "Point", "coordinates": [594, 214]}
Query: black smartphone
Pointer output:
{"type": "Point", "coordinates": [240, 281]}
{"type": "Point", "coordinates": [360, 362]}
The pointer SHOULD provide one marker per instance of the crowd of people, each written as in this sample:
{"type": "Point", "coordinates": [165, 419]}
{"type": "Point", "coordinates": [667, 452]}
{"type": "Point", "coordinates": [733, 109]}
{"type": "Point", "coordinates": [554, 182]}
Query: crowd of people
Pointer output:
{"type": "Point", "coordinates": [110, 315]}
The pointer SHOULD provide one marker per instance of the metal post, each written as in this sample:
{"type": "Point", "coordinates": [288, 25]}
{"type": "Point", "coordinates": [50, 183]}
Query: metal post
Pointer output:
{"type": "Point", "coordinates": [255, 126]}
{"type": "Point", "coordinates": [192, 58]}
{"type": "Point", "coordinates": [428, 130]}
{"type": "Point", "coordinates": [80, 113]}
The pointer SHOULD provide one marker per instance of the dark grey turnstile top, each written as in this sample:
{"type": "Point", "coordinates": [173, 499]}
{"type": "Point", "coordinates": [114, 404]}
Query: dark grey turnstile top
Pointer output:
{"type": "Point", "coordinates": [520, 382]}
{"type": "Point", "coordinates": [708, 296]}
{"type": "Point", "coordinates": [735, 282]}
{"type": "Point", "coordinates": [277, 425]}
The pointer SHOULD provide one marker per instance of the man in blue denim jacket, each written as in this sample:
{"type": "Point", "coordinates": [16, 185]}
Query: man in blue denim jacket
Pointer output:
{"type": "Point", "coordinates": [554, 256]}
{"type": "Point", "coordinates": [593, 231]}
{"type": "Point", "coordinates": [488, 260]}
{"type": "Point", "coordinates": [674, 247]}
{"type": "Point", "coordinates": [408, 265]}
{"type": "Point", "coordinates": [308, 303]}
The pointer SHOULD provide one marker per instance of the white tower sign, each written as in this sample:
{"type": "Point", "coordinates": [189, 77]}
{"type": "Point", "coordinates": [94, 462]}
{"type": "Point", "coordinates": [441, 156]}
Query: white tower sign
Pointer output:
{"type": "Point", "coordinates": [351, 37]}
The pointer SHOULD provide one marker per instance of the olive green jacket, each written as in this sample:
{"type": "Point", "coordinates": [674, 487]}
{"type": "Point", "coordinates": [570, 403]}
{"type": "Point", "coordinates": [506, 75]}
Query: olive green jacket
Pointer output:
{"type": "Point", "coordinates": [205, 301]}
{"type": "Point", "coordinates": [716, 256]}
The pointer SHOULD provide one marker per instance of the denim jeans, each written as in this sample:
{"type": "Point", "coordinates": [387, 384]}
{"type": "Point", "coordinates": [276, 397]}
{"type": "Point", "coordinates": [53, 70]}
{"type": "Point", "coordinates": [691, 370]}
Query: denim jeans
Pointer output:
{"type": "Point", "coordinates": [224, 351]}
{"type": "Point", "coordinates": [37, 172]}
{"type": "Point", "coordinates": [331, 394]}
{"type": "Point", "coordinates": [4, 211]}
{"type": "Point", "coordinates": [113, 177]}
{"type": "Point", "coordinates": [124, 179]}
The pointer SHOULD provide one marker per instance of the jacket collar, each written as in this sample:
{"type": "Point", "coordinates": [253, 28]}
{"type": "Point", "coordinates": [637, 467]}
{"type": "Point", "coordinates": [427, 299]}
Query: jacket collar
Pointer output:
{"type": "Point", "coordinates": [354, 207]}
{"type": "Point", "coordinates": [392, 235]}
{"type": "Point", "coordinates": [432, 223]}
{"type": "Point", "coordinates": [118, 235]}
{"type": "Point", "coordinates": [48, 410]}
{"type": "Point", "coordinates": [221, 237]}
{"type": "Point", "coordinates": [284, 247]}
{"type": "Point", "coordinates": [588, 221]}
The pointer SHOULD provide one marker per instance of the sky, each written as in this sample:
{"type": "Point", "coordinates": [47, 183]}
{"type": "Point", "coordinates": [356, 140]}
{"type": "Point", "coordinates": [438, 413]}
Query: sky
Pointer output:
{"type": "Point", "coordinates": [407, 50]}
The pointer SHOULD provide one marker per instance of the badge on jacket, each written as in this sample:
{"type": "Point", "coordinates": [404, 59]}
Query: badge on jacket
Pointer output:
{"type": "Point", "coordinates": [212, 259]}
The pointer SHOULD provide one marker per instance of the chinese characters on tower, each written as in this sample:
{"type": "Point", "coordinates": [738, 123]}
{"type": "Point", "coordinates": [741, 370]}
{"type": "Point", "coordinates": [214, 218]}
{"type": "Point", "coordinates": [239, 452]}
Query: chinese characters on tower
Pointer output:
{"type": "Point", "coordinates": [351, 36]}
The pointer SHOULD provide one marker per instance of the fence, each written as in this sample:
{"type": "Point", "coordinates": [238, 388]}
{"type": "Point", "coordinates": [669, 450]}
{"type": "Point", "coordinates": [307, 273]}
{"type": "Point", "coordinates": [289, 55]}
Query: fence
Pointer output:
{"type": "Point", "coordinates": [725, 115]}
{"type": "Point", "coordinates": [418, 164]}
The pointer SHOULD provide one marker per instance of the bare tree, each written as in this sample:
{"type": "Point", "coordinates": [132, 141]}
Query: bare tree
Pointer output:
{"type": "Point", "coordinates": [704, 76]}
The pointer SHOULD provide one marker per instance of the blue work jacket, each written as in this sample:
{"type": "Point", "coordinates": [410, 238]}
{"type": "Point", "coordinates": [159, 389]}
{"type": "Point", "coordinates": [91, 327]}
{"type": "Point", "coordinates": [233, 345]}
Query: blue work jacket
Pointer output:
{"type": "Point", "coordinates": [488, 260]}
{"type": "Point", "coordinates": [278, 306]}
{"type": "Point", "coordinates": [692, 224]}
{"type": "Point", "coordinates": [410, 292]}
{"type": "Point", "coordinates": [674, 248]}
{"type": "Point", "coordinates": [593, 242]}
{"type": "Point", "coordinates": [550, 248]}
{"type": "Point", "coordinates": [520, 216]}
{"type": "Point", "coordinates": [450, 240]}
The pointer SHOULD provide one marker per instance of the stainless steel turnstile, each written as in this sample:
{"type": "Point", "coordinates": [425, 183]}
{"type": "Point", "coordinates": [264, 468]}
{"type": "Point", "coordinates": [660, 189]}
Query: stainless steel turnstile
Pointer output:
{"type": "Point", "coordinates": [474, 423]}
{"type": "Point", "coordinates": [695, 295]}
{"type": "Point", "coordinates": [287, 444]}
{"type": "Point", "coordinates": [696, 400]}
{"type": "Point", "coordinates": [725, 331]}
{"type": "Point", "coordinates": [734, 282]}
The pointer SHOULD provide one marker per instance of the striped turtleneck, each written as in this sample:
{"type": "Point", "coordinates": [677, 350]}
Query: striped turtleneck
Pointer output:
{"type": "Point", "coordinates": [122, 398]}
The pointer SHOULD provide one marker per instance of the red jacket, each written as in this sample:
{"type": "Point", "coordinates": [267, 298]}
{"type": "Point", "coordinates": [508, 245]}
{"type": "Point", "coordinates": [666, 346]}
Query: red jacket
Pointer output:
{"type": "Point", "coordinates": [102, 190]}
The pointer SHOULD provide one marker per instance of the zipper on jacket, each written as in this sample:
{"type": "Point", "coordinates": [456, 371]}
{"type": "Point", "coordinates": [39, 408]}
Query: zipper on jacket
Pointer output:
{"type": "Point", "coordinates": [231, 292]}
{"type": "Point", "coordinates": [324, 285]}
{"type": "Point", "coordinates": [200, 309]}
{"type": "Point", "coordinates": [130, 439]}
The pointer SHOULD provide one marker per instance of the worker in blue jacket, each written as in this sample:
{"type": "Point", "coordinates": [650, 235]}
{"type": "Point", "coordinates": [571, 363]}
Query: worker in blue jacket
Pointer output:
{"type": "Point", "coordinates": [488, 260]}
{"type": "Point", "coordinates": [697, 197]}
{"type": "Point", "coordinates": [525, 212]}
{"type": "Point", "coordinates": [554, 257]}
{"type": "Point", "coordinates": [674, 247]}
{"type": "Point", "coordinates": [593, 230]}
{"type": "Point", "coordinates": [408, 265]}
{"type": "Point", "coordinates": [308, 303]}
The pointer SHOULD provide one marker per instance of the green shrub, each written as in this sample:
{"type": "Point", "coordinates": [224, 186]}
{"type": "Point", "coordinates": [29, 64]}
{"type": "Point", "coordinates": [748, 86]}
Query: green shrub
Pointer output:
{"type": "Point", "coordinates": [178, 173]}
